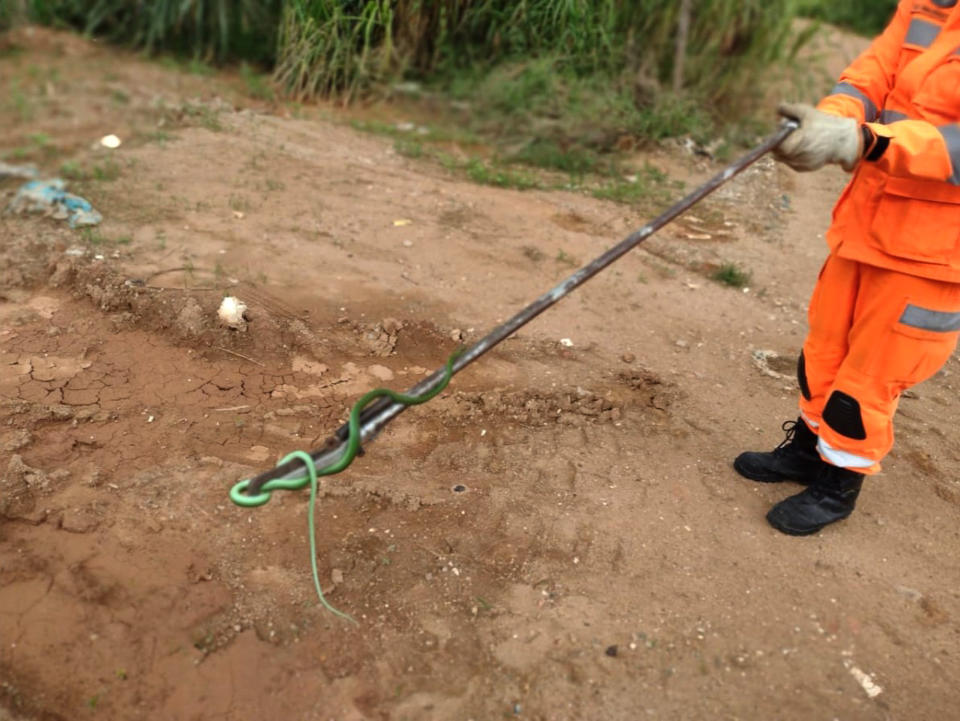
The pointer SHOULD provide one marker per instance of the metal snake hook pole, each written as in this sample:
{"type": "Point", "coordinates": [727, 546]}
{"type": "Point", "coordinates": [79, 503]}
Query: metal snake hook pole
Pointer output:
{"type": "Point", "coordinates": [378, 414]}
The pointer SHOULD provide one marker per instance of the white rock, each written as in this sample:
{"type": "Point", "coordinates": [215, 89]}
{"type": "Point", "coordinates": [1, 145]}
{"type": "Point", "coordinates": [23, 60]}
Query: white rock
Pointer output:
{"type": "Point", "coordinates": [231, 313]}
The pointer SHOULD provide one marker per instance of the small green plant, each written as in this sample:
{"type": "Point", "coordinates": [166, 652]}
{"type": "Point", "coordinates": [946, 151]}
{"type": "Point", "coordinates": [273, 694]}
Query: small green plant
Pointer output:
{"type": "Point", "coordinates": [486, 174]}
{"type": "Point", "coordinates": [40, 140]}
{"type": "Point", "coordinates": [205, 115]}
{"type": "Point", "coordinates": [565, 259]}
{"type": "Point", "coordinates": [408, 148]}
{"type": "Point", "coordinates": [106, 171]}
{"type": "Point", "coordinates": [198, 67]}
{"type": "Point", "coordinates": [119, 97]}
{"type": "Point", "coordinates": [160, 137]}
{"type": "Point", "coordinates": [533, 253]}
{"type": "Point", "coordinates": [18, 153]}
{"type": "Point", "coordinates": [732, 275]}
{"type": "Point", "coordinates": [72, 170]}
{"type": "Point", "coordinates": [20, 103]}
{"type": "Point", "coordinates": [647, 185]}
{"type": "Point", "coordinates": [92, 236]}
{"type": "Point", "coordinates": [546, 153]}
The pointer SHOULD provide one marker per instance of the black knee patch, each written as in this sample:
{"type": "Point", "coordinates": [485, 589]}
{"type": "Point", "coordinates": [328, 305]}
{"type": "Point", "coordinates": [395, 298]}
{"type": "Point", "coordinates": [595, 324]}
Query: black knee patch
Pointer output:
{"type": "Point", "coordinates": [842, 414]}
{"type": "Point", "coordinates": [802, 377]}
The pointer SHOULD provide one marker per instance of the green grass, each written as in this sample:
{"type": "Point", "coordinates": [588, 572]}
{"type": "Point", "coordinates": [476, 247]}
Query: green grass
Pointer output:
{"type": "Point", "coordinates": [559, 83]}
{"type": "Point", "coordinates": [732, 275]}
{"type": "Point", "coordinates": [19, 102]}
{"type": "Point", "coordinates": [408, 148]}
{"type": "Point", "coordinates": [867, 17]}
{"type": "Point", "coordinates": [104, 171]}
{"type": "Point", "coordinates": [257, 85]}
{"type": "Point", "coordinates": [650, 185]}
{"type": "Point", "coordinates": [565, 259]}
{"type": "Point", "coordinates": [549, 154]}
{"type": "Point", "coordinates": [161, 137]}
{"type": "Point", "coordinates": [72, 170]}
{"type": "Point", "coordinates": [487, 173]}
{"type": "Point", "coordinates": [205, 115]}
{"type": "Point", "coordinates": [203, 30]}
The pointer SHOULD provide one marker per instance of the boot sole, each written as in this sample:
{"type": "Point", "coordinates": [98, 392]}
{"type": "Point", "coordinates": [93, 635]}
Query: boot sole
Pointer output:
{"type": "Point", "coordinates": [771, 519]}
{"type": "Point", "coordinates": [764, 477]}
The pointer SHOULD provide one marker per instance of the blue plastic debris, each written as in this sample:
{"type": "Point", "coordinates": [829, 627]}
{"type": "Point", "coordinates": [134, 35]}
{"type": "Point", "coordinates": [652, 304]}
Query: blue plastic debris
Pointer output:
{"type": "Point", "coordinates": [50, 197]}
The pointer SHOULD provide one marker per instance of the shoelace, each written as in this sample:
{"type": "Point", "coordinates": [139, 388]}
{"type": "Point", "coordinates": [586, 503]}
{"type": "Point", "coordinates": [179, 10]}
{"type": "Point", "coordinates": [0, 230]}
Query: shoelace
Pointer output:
{"type": "Point", "coordinates": [790, 428]}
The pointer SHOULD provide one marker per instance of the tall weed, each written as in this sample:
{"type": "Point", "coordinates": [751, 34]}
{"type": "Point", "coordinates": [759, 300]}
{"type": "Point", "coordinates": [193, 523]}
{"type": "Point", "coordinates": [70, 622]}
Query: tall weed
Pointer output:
{"type": "Point", "coordinates": [209, 29]}
{"type": "Point", "coordinates": [867, 17]}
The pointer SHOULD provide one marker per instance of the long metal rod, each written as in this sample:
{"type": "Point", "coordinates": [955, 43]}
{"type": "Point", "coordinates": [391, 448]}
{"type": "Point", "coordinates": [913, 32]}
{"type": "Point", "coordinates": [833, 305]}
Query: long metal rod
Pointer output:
{"type": "Point", "coordinates": [374, 418]}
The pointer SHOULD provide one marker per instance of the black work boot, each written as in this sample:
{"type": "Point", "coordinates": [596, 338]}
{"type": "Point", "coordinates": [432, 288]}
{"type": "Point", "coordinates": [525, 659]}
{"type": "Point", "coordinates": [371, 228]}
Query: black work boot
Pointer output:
{"type": "Point", "coordinates": [796, 459]}
{"type": "Point", "coordinates": [831, 497]}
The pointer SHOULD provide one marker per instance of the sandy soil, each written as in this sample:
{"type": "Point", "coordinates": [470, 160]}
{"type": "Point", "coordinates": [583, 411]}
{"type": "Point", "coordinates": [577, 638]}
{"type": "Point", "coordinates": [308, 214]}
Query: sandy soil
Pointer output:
{"type": "Point", "coordinates": [603, 561]}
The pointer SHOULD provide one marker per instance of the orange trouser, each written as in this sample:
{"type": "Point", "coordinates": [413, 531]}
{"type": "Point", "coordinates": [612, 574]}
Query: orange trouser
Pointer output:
{"type": "Point", "coordinates": [873, 333]}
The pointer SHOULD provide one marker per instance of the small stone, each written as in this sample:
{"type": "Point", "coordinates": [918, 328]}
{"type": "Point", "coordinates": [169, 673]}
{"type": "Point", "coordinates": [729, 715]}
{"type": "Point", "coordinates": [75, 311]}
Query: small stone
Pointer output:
{"type": "Point", "coordinates": [611, 651]}
{"type": "Point", "coordinates": [336, 575]}
{"type": "Point", "coordinates": [628, 357]}
{"type": "Point", "coordinates": [681, 344]}
{"type": "Point", "coordinates": [79, 520]}
{"type": "Point", "coordinates": [456, 334]}
{"type": "Point", "coordinates": [211, 461]}
{"type": "Point", "coordinates": [258, 454]}
{"type": "Point", "coordinates": [407, 244]}
{"type": "Point", "coordinates": [232, 313]}
{"type": "Point", "coordinates": [380, 372]}
{"type": "Point", "coordinates": [391, 325]}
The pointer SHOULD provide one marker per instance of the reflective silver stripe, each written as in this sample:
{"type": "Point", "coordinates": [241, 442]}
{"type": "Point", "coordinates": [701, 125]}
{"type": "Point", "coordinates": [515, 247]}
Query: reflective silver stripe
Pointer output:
{"type": "Point", "coordinates": [843, 459]}
{"type": "Point", "coordinates": [951, 136]}
{"type": "Point", "coordinates": [944, 3]}
{"type": "Point", "coordinates": [869, 109]}
{"type": "Point", "coordinates": [922, 33]}
{"type": "Point", "coordinates": [891, 116]}
{"type": "Point", "coordinates": [936, 320]}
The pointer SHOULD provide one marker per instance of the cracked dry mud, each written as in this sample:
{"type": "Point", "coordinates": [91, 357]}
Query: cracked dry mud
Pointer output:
{"type": "Point", "coordinates": [559, 536]}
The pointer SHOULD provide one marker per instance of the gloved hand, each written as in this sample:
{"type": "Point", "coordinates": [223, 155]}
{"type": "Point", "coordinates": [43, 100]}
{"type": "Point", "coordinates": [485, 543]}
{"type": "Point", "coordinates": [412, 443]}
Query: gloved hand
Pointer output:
{"type": "Point", "coordinates": [821, 138]}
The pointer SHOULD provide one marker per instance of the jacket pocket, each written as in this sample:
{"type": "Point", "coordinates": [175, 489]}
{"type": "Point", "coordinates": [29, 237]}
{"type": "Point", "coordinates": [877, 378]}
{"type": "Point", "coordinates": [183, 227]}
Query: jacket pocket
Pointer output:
{"type": "Point", "coordinates": [917, 228]}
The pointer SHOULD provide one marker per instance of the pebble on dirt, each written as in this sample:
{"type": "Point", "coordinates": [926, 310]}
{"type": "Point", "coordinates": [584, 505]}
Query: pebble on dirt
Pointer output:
{"type": "Point", "coordinates": [232, 313]}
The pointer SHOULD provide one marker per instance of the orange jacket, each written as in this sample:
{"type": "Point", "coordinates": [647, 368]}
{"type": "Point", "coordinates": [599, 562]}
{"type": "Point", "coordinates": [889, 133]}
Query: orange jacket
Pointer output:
{"type": "Point", "coordinates": [901, 209]}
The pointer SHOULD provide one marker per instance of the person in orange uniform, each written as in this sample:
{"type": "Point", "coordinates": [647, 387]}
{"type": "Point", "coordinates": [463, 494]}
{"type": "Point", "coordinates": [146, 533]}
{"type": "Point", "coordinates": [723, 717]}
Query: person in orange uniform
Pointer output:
{"type": "Point", "coordinates": [885, 312]}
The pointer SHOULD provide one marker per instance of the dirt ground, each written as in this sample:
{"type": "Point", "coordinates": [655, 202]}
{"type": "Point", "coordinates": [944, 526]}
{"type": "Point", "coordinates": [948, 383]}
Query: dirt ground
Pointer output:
{"type": "Point", "coordinates": [600, 560]}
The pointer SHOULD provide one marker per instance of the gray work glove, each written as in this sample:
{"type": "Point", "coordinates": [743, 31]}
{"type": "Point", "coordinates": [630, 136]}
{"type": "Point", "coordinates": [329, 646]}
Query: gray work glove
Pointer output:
{"type": "Point", "coordinates": [821, 138]}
